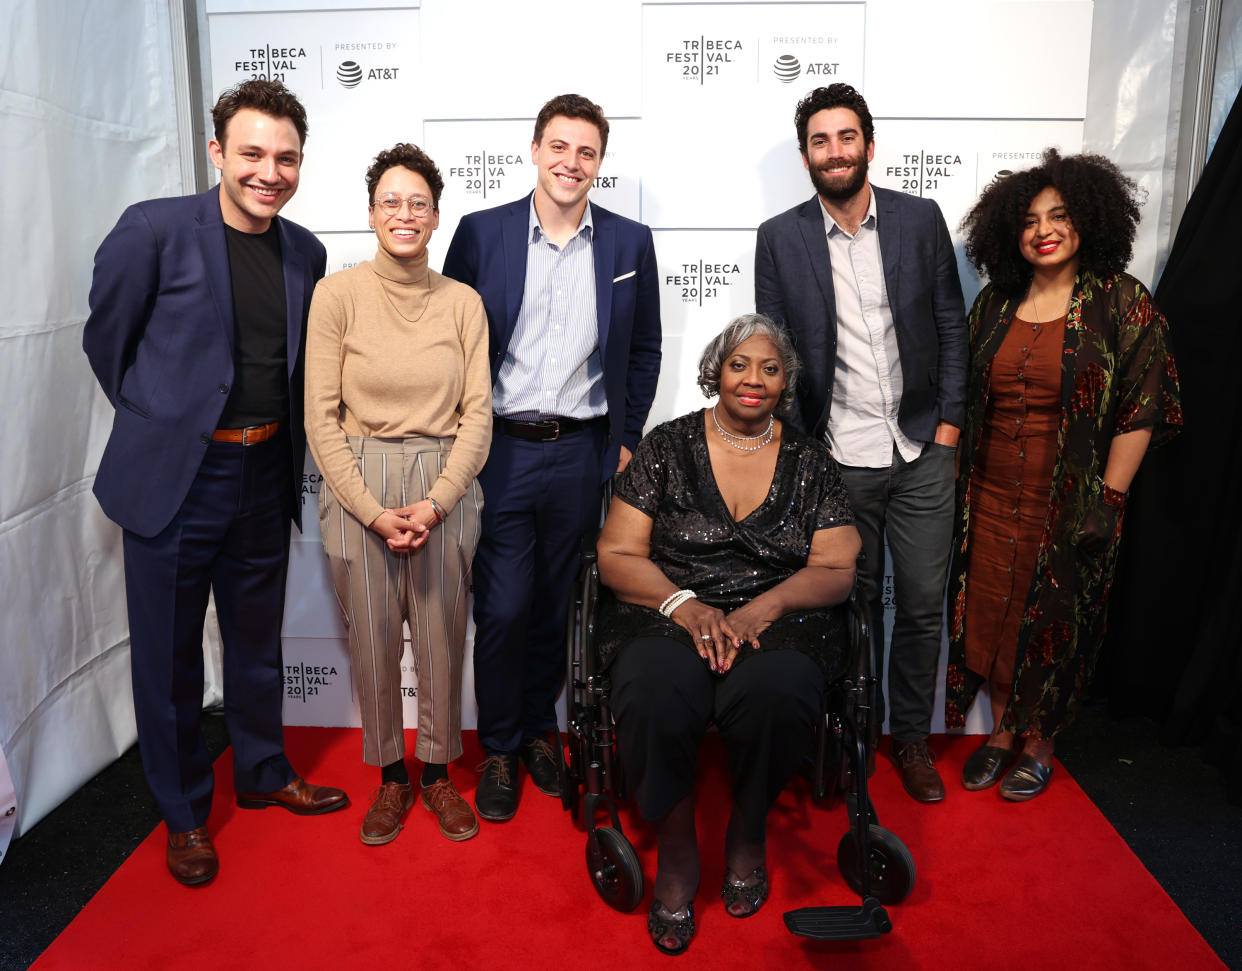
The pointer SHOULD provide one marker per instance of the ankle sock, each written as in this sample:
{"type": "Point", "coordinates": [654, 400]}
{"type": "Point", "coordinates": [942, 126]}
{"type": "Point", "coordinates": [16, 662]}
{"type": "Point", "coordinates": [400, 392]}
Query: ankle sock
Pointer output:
{"type": "Point", "coordinates": [395, 772]}
{"type": "Point", "coordinates": [433, 772]}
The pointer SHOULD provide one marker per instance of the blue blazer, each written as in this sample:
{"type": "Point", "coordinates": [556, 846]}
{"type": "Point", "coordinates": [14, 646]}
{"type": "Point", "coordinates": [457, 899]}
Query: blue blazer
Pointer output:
{"type": "Point", "coordinates": [488, 253]}
{"type": "Point", "coordinates": [160, 340]}
{"type": "Point", "coordinates": [793, 285]}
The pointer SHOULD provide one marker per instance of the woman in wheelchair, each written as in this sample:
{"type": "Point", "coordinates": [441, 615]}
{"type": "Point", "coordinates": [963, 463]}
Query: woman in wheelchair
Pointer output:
{"type": "Point", "coordinates": [728, 541]}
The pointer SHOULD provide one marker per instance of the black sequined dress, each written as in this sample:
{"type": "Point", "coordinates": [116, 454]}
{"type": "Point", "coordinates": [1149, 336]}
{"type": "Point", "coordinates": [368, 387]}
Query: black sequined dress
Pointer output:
{"type": "Point", "coordinates": [698, 545]}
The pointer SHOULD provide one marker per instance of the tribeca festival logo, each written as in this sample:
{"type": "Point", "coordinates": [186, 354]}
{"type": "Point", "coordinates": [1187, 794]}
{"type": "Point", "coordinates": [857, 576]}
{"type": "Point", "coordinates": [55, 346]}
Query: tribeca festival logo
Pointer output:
{"type": "Point", "coordinates": [695, 282]}
{"type": "Point", "coordinates": [922, 171]}
{"type": "Point", "coordinates": [481, 173]}
{"type": "Point", "coordinates": [304, 681]}
{"type": "Point", "coordinates": [700, 58]}
{"type": "Point", "coordinates": [270, 63]}
{"type": "Point", "coordinates": [351, 72]}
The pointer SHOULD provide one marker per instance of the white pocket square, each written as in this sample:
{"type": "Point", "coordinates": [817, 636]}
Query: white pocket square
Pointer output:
{"type": "Point", "coordinates": [623, 276]}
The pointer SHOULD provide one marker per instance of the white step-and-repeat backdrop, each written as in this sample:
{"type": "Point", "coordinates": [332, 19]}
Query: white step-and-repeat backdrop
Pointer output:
{"type": "Point", "coordinates": [701, 99]}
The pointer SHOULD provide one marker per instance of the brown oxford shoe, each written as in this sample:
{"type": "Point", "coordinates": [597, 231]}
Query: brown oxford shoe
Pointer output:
{"type": "Point", "coordinates": [191, 857]}
{"type": "Point", "coordinates": [382, 823]}
{"type": "Point", "coordinates": [457, 820]}
{"type": "Point", "coordinates": [299, 797]}
{"type": "Point", "coordinates": [918, 769]}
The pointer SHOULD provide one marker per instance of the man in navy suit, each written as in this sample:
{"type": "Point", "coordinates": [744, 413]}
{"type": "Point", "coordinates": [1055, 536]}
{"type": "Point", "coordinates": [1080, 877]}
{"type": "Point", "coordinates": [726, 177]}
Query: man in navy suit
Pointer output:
{"type": "Point", "coordinates": [196, 331]}
{"type": "Point", "coordinates": [866, 281]}
{"type": "Point", "coordinates": [572, 298]}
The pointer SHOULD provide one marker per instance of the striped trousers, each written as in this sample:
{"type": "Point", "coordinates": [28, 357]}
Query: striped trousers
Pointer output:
{"type": "Point", "coordinates": [377, 590]}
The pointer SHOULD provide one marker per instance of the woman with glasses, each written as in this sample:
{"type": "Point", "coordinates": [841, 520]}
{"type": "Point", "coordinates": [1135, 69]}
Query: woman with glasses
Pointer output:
{"type": "Point", "coordinates": [398, 418]}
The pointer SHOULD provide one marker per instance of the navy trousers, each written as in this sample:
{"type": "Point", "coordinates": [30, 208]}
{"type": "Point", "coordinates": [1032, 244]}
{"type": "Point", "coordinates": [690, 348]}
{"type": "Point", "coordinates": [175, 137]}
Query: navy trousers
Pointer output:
{"type": "Point", "coordinates": [538, 500]}
{"type": "Point", "coordinates": [230, 536]}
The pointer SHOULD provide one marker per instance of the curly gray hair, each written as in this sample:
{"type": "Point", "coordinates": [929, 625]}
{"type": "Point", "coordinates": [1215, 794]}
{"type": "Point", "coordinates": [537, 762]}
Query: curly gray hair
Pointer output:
{"type": "Point", "coordinates": [741, 329]}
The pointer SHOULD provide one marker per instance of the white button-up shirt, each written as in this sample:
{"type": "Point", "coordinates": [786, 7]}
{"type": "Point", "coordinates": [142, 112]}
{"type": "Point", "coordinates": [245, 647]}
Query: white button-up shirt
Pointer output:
{"type": "Point", "coordinates": [867, 382]}
{"type": "Point", "coordinates": [553, 364]}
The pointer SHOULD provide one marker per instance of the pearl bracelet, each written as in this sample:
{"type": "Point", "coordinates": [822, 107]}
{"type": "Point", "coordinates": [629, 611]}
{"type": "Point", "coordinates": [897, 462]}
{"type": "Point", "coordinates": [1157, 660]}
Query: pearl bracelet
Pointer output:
{"type": "Point", "coordinates": [675, 600]}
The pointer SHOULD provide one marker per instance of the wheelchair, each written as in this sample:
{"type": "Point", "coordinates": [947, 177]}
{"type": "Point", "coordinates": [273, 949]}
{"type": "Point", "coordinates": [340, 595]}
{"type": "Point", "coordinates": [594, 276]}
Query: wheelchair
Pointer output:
{"type": "Point", "coordinates": [873, 861]}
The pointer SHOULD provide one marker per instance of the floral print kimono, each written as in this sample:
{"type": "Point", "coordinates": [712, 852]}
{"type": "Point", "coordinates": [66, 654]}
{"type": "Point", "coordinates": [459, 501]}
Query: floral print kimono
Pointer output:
{"type": "Point", "coordinates": [1117, 376]}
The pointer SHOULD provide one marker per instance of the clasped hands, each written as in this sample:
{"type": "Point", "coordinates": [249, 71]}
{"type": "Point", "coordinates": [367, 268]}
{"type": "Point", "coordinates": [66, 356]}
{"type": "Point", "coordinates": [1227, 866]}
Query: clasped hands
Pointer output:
{"type": "Point", "coordinates": [718, 636]}
{"type": "Point", "coordinates": [406, 530]}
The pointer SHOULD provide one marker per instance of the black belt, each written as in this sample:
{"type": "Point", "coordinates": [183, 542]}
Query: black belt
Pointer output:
{"type": "Point", "coordinates": [543, 430]}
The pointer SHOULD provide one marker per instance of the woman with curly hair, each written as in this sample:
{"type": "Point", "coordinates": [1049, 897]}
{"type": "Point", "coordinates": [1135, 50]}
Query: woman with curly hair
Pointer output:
{"type": "Point", "coordinates": [399, 419]}
{"type": "Point", "coordinates": [1070, 382]}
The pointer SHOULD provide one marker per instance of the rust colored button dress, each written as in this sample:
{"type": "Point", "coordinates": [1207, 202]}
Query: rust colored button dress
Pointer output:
{"type": "Point", "coordinates": [1010, 484]}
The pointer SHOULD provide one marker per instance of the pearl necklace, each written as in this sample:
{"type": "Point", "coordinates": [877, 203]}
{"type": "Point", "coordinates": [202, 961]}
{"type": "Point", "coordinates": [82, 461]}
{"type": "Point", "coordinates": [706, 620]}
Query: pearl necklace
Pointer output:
{"type": "Point", "coordinates": [736, 440]}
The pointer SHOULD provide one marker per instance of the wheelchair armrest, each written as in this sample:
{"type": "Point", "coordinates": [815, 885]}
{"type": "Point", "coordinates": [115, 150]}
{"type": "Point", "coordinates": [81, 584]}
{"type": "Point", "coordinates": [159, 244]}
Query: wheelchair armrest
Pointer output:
{"type": "Point", "coordinates": [862, 663]}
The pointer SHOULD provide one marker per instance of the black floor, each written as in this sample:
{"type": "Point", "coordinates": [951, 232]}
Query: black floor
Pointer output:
{"type": "Point", "coordinates": [1166, 803]}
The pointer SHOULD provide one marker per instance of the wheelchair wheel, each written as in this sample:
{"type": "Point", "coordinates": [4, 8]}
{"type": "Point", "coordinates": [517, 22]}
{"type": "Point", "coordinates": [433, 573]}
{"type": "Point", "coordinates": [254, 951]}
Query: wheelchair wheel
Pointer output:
{"type": "Point", "coordinates": [614, 868]}
{"type": "Point", "coordinates": [892, 866]}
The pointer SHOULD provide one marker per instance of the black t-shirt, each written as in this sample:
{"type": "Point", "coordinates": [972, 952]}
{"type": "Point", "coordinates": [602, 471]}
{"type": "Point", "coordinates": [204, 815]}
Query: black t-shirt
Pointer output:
{"type": "Point", "coordinates": [260, 391]}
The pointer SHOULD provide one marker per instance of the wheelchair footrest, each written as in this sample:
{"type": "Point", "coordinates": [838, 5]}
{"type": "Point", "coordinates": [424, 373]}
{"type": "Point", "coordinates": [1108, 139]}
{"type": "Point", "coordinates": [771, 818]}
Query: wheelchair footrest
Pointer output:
{"type": "Point", "coordinates": [840, 923]}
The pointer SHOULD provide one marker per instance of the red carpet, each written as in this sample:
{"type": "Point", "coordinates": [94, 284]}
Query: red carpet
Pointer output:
{"type": "Point", "coordinates": [1047, 884]}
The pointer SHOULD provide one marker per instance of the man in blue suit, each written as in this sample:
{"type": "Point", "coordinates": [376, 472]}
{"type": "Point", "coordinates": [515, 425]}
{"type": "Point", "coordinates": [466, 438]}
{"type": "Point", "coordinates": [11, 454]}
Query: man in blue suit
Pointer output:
{"type": "Point", "coordinates": [572, 298]}
{"type": "Point", "coordinates": [198, 318]}
{"type": "Point", "coordinates": [866, 281]}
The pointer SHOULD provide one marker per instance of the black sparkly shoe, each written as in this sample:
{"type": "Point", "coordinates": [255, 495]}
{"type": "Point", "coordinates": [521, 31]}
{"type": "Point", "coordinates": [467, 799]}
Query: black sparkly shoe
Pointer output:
{"type": "Point", "coordinates": [662, 923]}
{"type": "Point", "coordinates": [742, 893]}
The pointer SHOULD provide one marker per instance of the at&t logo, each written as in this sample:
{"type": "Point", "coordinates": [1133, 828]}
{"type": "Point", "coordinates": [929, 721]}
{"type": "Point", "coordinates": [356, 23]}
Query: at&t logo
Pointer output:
{"type": "Point", "coordinates": [351, 74]}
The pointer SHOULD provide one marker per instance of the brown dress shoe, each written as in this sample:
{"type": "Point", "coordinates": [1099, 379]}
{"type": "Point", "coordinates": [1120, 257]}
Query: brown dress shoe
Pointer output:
{"type": "Point", "coordinates": [918, 769]}
{"type": "Point", "coordinates": [389, 803]}
{"type": "Point", "coordinates": [457, 820]}
{"type": "Point", "coordinates": [191, 857]}
{"type": "Point", "coordinates": [299, 797]}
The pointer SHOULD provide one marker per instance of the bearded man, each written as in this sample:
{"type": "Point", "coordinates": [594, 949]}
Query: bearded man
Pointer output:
{"type": "Point", "coordinates": [865, 280]}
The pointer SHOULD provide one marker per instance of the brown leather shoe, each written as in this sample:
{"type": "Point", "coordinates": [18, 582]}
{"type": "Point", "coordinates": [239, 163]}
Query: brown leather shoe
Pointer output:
{"type": "Point", "coordinates": [918, 769]}
{"type": "Point", "coordinates": [457, 820]}
{"type": "Point", "coordinates": [299, 797]}
{"type": "Point", "coordinates": [191, 857]}
{"type": "Point", "coordinates": [389, 803]}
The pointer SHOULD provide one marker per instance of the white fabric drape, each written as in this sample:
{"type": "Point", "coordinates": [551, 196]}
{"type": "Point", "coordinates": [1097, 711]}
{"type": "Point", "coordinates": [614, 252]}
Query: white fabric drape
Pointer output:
{"type": "Point", "coordinates": [86, 126]}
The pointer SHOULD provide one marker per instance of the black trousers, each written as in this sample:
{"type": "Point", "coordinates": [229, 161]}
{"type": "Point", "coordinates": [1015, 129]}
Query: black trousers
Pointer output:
{"type": "Point", "coordinates": [664, 697]}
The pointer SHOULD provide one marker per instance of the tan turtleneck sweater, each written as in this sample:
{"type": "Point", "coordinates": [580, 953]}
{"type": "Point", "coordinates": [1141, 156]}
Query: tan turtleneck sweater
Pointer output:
{"type": "Point", "coordinates": [395, 350]}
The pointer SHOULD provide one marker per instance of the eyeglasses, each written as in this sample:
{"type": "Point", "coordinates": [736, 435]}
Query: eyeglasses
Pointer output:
{"type": "Point", "coordinates": [391, 204]}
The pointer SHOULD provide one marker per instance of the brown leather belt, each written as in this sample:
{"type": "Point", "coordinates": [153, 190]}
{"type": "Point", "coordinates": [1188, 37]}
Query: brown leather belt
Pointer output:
{"type": "Point", "coordinates": [250, 435]}
{"type": "Point", "coordinates": [544, 430]}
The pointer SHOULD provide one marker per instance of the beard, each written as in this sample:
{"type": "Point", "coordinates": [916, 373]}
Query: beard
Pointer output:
{"type": "Point", "coordinates": [841, 187]}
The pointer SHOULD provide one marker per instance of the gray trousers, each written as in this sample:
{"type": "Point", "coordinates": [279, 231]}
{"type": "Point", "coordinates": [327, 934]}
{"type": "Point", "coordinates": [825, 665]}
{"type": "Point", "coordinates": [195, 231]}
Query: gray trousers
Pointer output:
{"type": "Point", "coordinates": [912, 504]}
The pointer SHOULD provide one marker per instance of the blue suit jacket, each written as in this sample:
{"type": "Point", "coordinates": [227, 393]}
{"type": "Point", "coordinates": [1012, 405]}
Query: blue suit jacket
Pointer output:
{"type": "Point", "coordinates": [793, 285]}
{"type": "Point", "coordinates": [488, 253]}
{"type": "Point", "coordinates": [160, 340]}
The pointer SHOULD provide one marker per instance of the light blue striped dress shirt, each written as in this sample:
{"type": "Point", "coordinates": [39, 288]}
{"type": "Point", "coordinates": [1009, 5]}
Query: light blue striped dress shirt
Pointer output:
{"type": "Point", "coordinates": [553, 365]}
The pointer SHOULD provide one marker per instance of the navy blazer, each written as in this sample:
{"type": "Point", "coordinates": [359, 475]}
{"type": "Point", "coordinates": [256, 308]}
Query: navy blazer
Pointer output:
{"type": "Point", "coordinates": [793, 285]}
{"type": "Point", "coordinates": [488, 253]}
{"type": "Point", "coordinates": [160, 340]}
